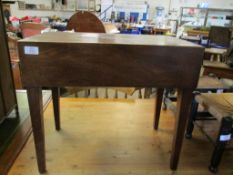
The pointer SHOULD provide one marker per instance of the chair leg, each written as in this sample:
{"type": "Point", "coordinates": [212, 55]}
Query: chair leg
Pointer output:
{"type": "Point", "coordinates": [191, 120]}
{"type": "Point", "coordinates": [164, 106]}
{"type": "Point", "coordinates": [17, 111]}
{"type": "Point", "coordinates": [219, 58]}
{"type": "Point", "coordinates": [147, 92]}
{"type": "Point", "coordinates": [106, 93]}
{"type": "Point", "coordinates": [140, 93]}
{"type": "Point", "coordinates": [86, 93]}
{"type": "Point", "coordinates": [96, 93]}
{"type": "Point", "coordinates": [223, 137]}
{"type": "Point", "coordinates": [76, 94]}
{"type": "Point", "coordinates": [116, 94]}
{"type": "Point", "coordinates": [211, 57]}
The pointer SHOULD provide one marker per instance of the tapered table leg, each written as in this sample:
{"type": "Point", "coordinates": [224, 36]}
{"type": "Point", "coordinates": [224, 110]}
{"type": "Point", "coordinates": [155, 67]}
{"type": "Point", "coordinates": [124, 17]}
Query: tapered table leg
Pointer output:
{"type": "Point", "coordinates": [36, 111]}
{"type": "Point", "coordinates": [184, 102]}
{"type": "Point", "coordinates": [56, 107]}
{"type": "Point", "coordinates": [158, 103]}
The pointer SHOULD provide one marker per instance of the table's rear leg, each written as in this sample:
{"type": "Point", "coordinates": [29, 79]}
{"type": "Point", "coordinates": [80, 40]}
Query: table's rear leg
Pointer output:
{"type": "Point", "coordinates": [56, 107]}
{"type": "Point", "coordinates": [36, 111]}
{"type": "Point", "coordinates": [191, 119]}
{"type": "Point", "coordinates": [158, 103]}
{"type": "Point", "coordinates": [184, 102]}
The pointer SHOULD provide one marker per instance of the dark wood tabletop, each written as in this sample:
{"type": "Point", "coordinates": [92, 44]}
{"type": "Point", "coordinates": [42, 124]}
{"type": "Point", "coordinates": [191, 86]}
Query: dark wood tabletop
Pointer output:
{"type": "Point", "coordinates": [102, 38]}
{"type": "Point", "coordinates": [86, 59]}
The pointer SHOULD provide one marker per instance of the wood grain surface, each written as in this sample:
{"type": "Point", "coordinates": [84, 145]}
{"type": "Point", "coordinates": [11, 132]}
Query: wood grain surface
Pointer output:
{"type": "Point", "coordinates": [102, 38]}
{"type": "Point", "coordinates": [110, 60]}
{"type": "Point", "coordinates": [84, 59]}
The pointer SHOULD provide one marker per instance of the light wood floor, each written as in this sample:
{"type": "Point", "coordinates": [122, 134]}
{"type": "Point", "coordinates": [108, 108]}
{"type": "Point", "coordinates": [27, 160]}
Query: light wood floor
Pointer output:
{"type": "Point", "coordinates": [115, 137]}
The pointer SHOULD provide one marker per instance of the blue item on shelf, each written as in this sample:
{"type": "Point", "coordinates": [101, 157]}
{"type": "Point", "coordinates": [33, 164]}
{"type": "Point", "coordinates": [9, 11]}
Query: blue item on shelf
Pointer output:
{"type": "Point", "coordinates": [135, 32]}
{"type": "Point", "coordinates": [134, 16]}
{"type": "Point", "coordinates": [204, 41]}
{"type": "Point", "coordinates": [59, 28]}
{"type": "Point", "coordinates": [122, 15]}
{"type": "Point", "coordinates": [144, 18]}
{"type": "Point", "coordinates": [130, 31]}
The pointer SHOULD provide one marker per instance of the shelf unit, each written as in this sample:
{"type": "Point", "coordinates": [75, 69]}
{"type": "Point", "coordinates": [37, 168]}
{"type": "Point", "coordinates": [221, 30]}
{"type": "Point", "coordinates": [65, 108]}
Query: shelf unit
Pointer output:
{"type": "Point", "coordinates": [74, 5]}
{"type": "Point", "coordinates": [203, 17]}
{"type": "Point", "coordinates": [195, 15]}
{"type": "Point", "coordinates": [219, 17]}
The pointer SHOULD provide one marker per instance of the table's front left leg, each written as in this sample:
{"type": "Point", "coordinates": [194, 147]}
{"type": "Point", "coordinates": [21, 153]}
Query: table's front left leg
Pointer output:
{"type": "Point", "coordinates": [36, 113]}
{"type": "Point", "coordinates": [184, 101]}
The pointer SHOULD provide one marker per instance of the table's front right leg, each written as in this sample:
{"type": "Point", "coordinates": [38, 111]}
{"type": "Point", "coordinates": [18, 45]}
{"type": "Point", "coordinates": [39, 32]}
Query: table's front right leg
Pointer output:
{"type": "Point", "coordinates": [36, 113]}
{"type": "Point", "coordinates": [184, 101]}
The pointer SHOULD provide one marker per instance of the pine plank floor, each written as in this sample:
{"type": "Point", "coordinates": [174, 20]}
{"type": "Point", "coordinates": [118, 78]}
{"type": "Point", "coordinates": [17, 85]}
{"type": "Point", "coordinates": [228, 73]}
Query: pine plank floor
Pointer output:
{"type": "Point", "coordinates": [115, 137]}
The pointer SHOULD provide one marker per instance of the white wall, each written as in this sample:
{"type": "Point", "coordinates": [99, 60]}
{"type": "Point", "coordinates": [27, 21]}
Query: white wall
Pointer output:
{"type": "Point", "coordinates": [175, 4]}
{"type": "Point", "coordinates": [224, 4]}
{"type": "Point", "coordinates": [154, 3]}
{"type": "Point", "coordinates": [104, 5]}
{"type": "Point", "coordinates": [20, 13]}
{"type": "Point", "coordinates": [65, 14]}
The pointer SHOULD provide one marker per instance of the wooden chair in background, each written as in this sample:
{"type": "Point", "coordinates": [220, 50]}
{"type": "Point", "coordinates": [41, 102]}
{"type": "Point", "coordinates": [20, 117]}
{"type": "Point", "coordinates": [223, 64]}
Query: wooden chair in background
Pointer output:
{"type": "Point", "coordinates": [219, 37]}
{"type": "Point", "coordinates": [218, 41]}
{"type": "Point", "coordinates": [220, 106]}
{"type": "Point", "coordinates": [84, 21]}
{"type": "Point", "coordinates": [216, 100]}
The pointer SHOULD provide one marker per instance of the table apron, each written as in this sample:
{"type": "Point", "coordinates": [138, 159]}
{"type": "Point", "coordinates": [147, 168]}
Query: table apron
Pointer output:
{"type": "Point", "coordinates": [58, 65]}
